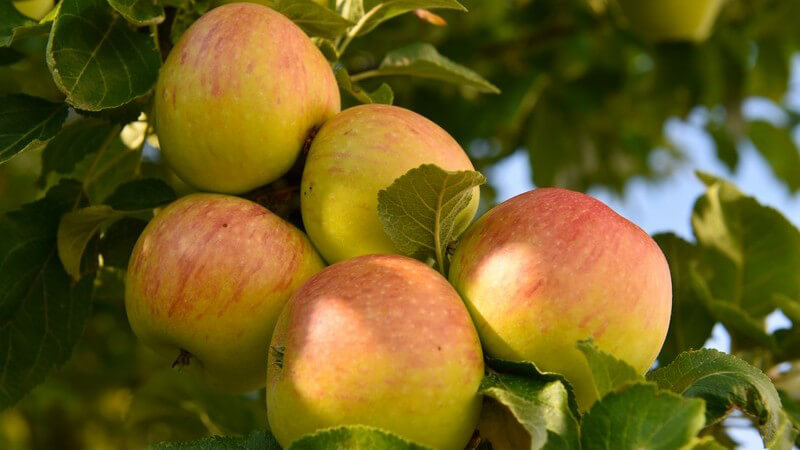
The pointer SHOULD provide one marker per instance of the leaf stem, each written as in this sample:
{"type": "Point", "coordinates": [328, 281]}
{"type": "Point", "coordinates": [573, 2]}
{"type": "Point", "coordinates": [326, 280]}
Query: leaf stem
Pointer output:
{"type": "Point", "coordinates": [357, 28]}
{"type": "Point", "coordinates": [364, 75]}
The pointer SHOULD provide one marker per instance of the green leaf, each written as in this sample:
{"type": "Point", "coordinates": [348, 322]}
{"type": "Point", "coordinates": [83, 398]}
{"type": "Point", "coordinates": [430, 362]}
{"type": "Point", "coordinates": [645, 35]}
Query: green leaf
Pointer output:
{"type": "Point", "coordinates": [97, 59]}
{"type": "Point", "coordinates": [641, 416]}
{"type": "Point", "coordinates": [708, 443]}
{"type": "Point", "coordinates": [261, 440]}
{"type": "Point", "coordinates": [424, 61]}
{"type": "Point", "coordinates": [388, 9]}
{"type": "Point", "coordinates": [791, 407]}
{"type": "Point", "coordinates": [608, 372]}
{"type": "Point", "coordinates": [139, 12]}
{"type": "Point", "coordinates": [353, 438]}
{"type": "Point", "coordinates": [76, 230]}
{"type": "Point", "coordinates": [26, 122]}
{"type": "Point", "coordinates": [543, 405]}
{"type": "Point", "coordinates": [313, 18]}
{"type": "Point", "coordinates": [146, 193]}
{"type": "Point", "coordinates": [42, 311]}
{"type": "Point", "coordinates": [76, 140]}
{"type": "Point", "coordinates": [724, 143]}
{"type": "Point", "coordinates": [102, 172]}
{"type": "Point", "coordinates": [10, 56]}
{"type": "Point", "coordinates": [382, 95]}
{"type": "Point", "coordinates": [352, 10]}
{"type": "Point", "coordinates": [741, 324]}
{"type": "Point", "coordinates": [117, 242]}
{"type": "Point", "coordinates": [419, 210]}
{"type": "Point", "coordinates": [790, 307]}
{"type": "Point", "coordinates": [757, 248]}
{"type": "Point", "coordinates": [691, 322]}
{"type": "Point", "coordinates": [327, 47]}
{"type": "Point", "coordinates": [14, 25]}
{"type": "Point", "coordinates": [724, 382]}
{"type": "Point", "coordinates": [778, 148]}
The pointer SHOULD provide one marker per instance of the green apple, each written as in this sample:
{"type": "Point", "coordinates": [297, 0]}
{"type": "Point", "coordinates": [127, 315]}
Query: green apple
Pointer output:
{"type": "Point", "coordinates": [550, 267]}
{"type": "Point", "coordinates": [382, 341]}
{"type": "Point", "coordinates": [35, 9]}
{"type": "Point", "coordinates": [672, 20]}
{"type": "Point", "coordinates": [238, 96]}
{"type": "Point", "coordinates": [206, 282]}
{"type": "Point", "coordinates": [356, 154]}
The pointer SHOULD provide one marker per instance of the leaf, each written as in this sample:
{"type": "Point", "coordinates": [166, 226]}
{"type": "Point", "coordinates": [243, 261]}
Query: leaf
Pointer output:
{"type": "Point", "coordinates": [424, 61]}
{"type": "Point", "coordinates": [117, 242]}
{"type": "Point", "coordinates": [608, 372]}
{"type": "Point", "coordinates": [758, 248]}
{"type": "Point", "coordinates": [382, 95]}
{"type": "Point", "coordinates": [313, 18]}
{"type": "Point", "coordinates": [707, 443]}
{"type": "Point", "coordinates": [392, 8]}
{"type": "Point", "coordinates": [10, 56]}
{"type": "Point", "coordinates": [724, 382]}
{"type": "Point", "coordinates": [791, 407]}
{"type": "Point", "coordinates": [641, 416]}
{"type": "Point", "coordinates": [724, 143]}
{"type": "Point", "coordinates": [139, 12]}
{"type": "Point", "coordinates": [14, 25]}
{"type": "Point", "coordinates": [146, 193]}
{"type": "Point", "coordinates": [542, 404]}
{"type": "Point", "coordinates": [262, 440]}
{"type": "Point", "coordinates": [353, 438]}
{"type": "Point", "coordinates": [419, 209]}
{"type": "Point", "coordinates": [102, 172]}
{"type": "Point", "coordinates": [690, 325]}
{"type": "Point", "coordinates": [97, 59]}
{"type": "Point", "coordinates": [42, 312]}
{"type": "Point", "coordinates": [352, 10]}
{"type": "Point", "coordinates": [76, 140]}
{"type": "Point", "coordinates": [26, 122]}
{"type": "Point", "coordinates": [741, 324]}
{"type": "Point", "coordinates": [778, 148]}
{"type": "Point", "coordinates": [76, 230]}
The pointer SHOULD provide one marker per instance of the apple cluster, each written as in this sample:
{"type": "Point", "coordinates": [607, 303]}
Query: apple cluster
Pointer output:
{"type": "Point", "coordinates": [243, 299]}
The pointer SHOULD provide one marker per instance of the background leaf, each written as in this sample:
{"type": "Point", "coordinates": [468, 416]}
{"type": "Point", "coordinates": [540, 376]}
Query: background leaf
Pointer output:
{"type": "Point", "coordinates": [608, 372]}
{"type": "Point", "coordinates": [419, 209]}
{"type": "Point", "coordinates": [262, 440]}
{"type": "Point", "coordinates": [76, 140]}
{"type": "Point", "coordinates": [388, 9]}
{"type": "Point", "coordinates": [26, 122]}
{"type": "Point", "coordinates": [97, 59]}
{"type": "Point", "coordinates": [145, 193]}
{"type": "Point", "coordinates": [313, 18]}
{"type": "Point", "coordinates": [382, 95]}
{"type": "Point", "coordinates": [778, 147]}
{"type": "Point", "coordinates": [353, 438]}
{"type": "Point", "coordinates": [139, 12]}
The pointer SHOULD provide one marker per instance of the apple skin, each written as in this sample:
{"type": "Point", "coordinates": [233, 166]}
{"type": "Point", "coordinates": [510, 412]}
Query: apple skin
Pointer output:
{"type": "Point", "coordinates": [357, 153]}
{"type": "Point", "coordinates": [550, 267]}
{"type": "Point", "coordinates": [238, 96]}
{"type": "Point", "coordinates": [672, 20]}
{"type": "Point", "coordinates": [265, 2]}
{"type": "Point", "coordinates": [34, 9]}
{"type": "Point", "coordinates": [210, 275]}
{"type": "Point", "coordinates": [379, 340]}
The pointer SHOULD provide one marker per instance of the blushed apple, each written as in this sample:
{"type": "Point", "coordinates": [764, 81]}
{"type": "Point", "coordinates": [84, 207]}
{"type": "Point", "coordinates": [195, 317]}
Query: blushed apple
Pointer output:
{"type": "Point", "coordinates": [206, 282]}
{"type": "Point", "coordinates": [357, 153]}
{"type": "Point", "coordinates": [238, 96]}
{"type": "Point", "coordinates": [550, 267]}
{"type": "Point", "coordinates": [379, 340]}
{"type": "Point", "coordinates": [672, 20]}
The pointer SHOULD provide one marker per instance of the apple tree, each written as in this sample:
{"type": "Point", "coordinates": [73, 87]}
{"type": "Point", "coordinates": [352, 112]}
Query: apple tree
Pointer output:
{"type": "Point", "coordinates": [270, 225]}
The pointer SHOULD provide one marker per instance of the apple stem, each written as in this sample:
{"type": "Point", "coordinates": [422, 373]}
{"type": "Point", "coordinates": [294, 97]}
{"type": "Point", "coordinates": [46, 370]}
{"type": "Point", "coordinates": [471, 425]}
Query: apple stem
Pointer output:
{"type": "Point", "coordinates": [183, 359]}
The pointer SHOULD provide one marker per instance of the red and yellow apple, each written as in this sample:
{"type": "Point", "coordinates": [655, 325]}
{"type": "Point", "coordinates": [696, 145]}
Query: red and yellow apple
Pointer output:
{"type": "Point", "coordinates": [550, 267]}
{"type": "Point", "coordinates": [206, 282]}
{"type": "Point", "coordinates": [238, 96]}
{"type": "Point", "coordinates": [379, 340]}
{"type": "Point", "coordinates": [672, 20]}
{"type": "Point", "coordinates": [357, 153]}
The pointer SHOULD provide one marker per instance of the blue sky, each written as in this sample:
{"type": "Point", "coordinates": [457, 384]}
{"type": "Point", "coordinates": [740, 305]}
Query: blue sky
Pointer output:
{"type": "Point", "coordinates": [666, 205]}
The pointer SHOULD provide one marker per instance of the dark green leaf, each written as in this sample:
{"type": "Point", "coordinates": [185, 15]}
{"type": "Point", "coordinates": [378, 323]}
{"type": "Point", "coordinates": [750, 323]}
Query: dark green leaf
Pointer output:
{"type": "Point", "coordinates": [26, 122]}
{"type": "Point", "coordinates": [78, 139]}
{"type": "Point", "coordinates": [608, 372]}
{"type": "Point", "coordinates": [103, 171]}
{"type": "Point", "coordinates": [691, 324]}
{"type": "Point", "coordinates": [75, 231]}
{"type": "Point", "coordinates": [778, 148]}
{"type": "Point", "coordinates": [757, 248]}
{"type": "Point", "coordinates": [388, 9]}
{"type": "Point", "coordinates": [146, 193]}
{"type": "Point", "coordinates": [708, 443]}
{"type": "Point", "coordinates": [543, 405]}
{"type": "Point", "coordinates": [353, 438]}
{"type": "Point", "coordinates": [117, 242]}
{"type": "Point", "coordinates": [724, 143]}
{"type": "Point", "coordinates": [641, 416]}
{"type": "Point", "coordinates": [14, 25]}
{"type": "Point", "coordinates": [424, 61]}
{"type": "Point", "coordinates": [9, 56]}
{"type": "Point", "coordinates": [42, 311]}
{"type": "Point", "coordinates": [313, 18]}
{"type": "Point", "coordinates": [261, 440]}
{"type": "Point", "coordinates": [792, 408]}
{"type": "Point", "coordinates": [419, 209]}
{"type": "Point", "coordinates": [382, 95]}
{"type": "Point", "coordinates": [139, 12]}
{"type": "Point", "coordinates": [741, 324]}
{"type": "Point", "coordinates": [724, 382]}
{"type": "Point", "coordinates": [97, 59]}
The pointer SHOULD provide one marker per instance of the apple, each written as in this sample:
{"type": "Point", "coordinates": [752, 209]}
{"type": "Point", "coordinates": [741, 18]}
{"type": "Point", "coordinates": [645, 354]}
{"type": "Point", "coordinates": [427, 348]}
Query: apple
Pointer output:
{"type": "Point", "coordinates": [382, 341]}
{"type": "Point", "coordinates": [238, 96]}
{"type": "Point", "coordinates": [356, 154]}
{"type": "Point", "coordinates": [206, 282]}
{"type": "Point", "coordinates": [672, 20]}
{"type": "Point", "coordinates": [265, 2]}
{"type": "Point", "coordinates": [550, 267]}
{"type": "Point", "coordinates": [35, 9]}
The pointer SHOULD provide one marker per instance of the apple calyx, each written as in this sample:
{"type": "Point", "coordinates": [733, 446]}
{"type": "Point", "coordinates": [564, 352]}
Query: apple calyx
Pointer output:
{"type": "Point", "coordinates": [184, 359]}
